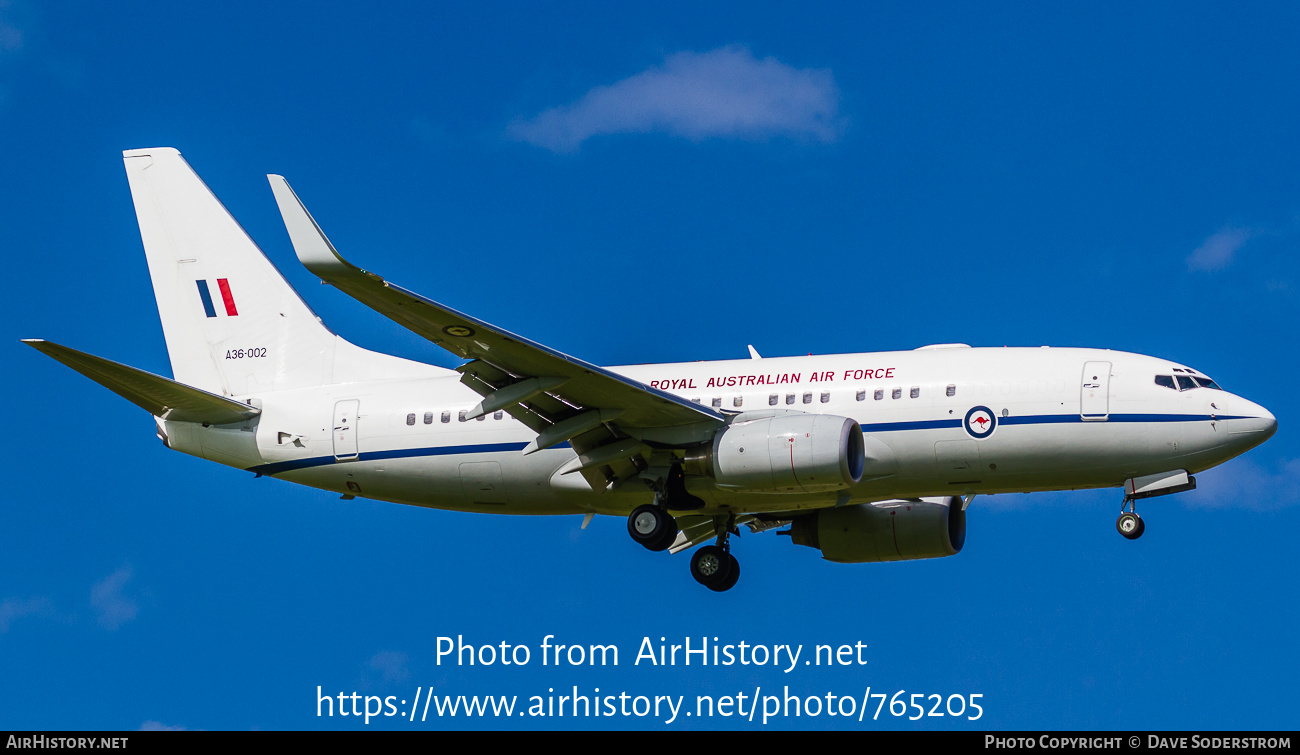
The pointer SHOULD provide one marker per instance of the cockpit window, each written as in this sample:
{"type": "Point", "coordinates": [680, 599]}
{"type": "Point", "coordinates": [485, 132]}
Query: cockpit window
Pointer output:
{"type": "Point", "coordinates": [1186, 382]}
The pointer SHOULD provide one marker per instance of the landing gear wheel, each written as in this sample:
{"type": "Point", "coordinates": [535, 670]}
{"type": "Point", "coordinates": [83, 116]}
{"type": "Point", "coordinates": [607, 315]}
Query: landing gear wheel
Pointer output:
{"type": "Point", "coordinates": [712, 567]}
{"type": "Point", "coordinates": [669, 536]}
{"type": "Point", "coordinates": [1130, 525]}
{"type": "Point", "coordinates": [652, 527]}
{"type": "Point", "coordinates": [732, 578]}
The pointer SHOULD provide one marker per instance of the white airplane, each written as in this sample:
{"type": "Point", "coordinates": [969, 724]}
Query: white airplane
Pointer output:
{"type": "Point", "coordinates": [867, 457]}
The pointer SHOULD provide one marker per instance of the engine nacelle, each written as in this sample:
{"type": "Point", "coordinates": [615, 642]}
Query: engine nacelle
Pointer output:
{"type": "Point", "coordinates": [898, 530]}
{"type": "Point", "coordinates": [785, 453]}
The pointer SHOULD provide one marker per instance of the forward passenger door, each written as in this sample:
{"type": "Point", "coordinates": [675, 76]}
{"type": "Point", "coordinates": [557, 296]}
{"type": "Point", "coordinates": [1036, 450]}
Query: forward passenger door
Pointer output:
{"type": "Point", "coordinates": [1094, 397]}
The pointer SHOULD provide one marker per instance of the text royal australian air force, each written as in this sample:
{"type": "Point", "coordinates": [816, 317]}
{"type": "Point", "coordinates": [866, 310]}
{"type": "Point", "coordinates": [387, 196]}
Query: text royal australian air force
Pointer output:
{"type": "Point", "coordinates": [771, 378]}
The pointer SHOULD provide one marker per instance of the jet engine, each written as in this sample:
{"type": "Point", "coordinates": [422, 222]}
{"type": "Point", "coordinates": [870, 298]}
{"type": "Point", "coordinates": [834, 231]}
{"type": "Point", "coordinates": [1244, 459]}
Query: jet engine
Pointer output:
{"type": "Point", "coordinates": [785, 453]}
{"type": "Point", "coordinates": [898, 530]}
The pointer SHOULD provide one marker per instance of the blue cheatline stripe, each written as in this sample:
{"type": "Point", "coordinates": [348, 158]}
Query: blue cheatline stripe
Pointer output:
{"type": "Point", "coordinates": [1039, 419]}
{"type": "Point", "coordinates": [206, 296]}
{"type": "Point", "coordinates": [1051, 419]}
{"type": "Point", "coordinates": [933, 424]}
{"type": "Point", "coordinates": [396, 453]}
{"type": "Point", "coordinates": [879, 427]}
{"type": "Point", "coordinates": [1042, 419]}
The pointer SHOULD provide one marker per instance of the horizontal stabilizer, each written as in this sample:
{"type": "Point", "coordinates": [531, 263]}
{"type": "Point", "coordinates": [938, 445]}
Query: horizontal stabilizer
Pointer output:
{"type": "Point", "coordinates": [160, 396]}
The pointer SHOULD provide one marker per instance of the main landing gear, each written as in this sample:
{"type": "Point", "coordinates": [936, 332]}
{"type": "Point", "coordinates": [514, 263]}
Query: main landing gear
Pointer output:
{"type": "Point", "coordinates": [1129, 524]}
{"type": "Point", "coordinates": [650, 524]}
{"type": "Point", "coordinates": [655, 529]}
{"type": "Point", "coordinates": [713, 565]}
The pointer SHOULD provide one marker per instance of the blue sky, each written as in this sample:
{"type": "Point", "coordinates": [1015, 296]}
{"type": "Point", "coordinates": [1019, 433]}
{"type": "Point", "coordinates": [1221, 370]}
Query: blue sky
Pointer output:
{"type": "Point", "coordinates": [651, 183]}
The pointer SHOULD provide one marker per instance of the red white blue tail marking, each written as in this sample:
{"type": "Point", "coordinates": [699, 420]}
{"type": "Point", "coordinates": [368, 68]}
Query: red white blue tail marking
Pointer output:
{"type": "Point", "coordinates": [227, 298]}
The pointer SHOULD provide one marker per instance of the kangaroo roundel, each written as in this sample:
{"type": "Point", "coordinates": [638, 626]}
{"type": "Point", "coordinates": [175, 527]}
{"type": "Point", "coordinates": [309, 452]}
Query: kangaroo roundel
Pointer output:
{"type": "Point", "coordinates": [980, 422]}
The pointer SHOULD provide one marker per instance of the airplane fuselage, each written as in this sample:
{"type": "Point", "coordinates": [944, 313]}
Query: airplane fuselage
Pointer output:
{"type": "Point", "coordinates": [938, 421]}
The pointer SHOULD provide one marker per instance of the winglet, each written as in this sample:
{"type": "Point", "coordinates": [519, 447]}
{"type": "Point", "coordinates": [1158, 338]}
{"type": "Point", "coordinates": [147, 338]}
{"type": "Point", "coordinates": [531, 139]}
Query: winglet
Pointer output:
{"type": "Point", "coordinates": [313, 248]}
{"type": "Point", "coordinates": [753, 353]}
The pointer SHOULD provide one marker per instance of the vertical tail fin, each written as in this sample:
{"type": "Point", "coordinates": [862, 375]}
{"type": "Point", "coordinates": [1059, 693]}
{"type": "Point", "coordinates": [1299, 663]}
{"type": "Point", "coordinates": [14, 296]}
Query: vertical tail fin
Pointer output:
{"type": "Point", "coordinates": [233, 324]}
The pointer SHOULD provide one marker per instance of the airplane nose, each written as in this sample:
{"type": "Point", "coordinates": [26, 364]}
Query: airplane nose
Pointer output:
{"type": "Point", "coordinates": [1270, 423]}
{"type": "Point", "coordinates": [1258, 424]}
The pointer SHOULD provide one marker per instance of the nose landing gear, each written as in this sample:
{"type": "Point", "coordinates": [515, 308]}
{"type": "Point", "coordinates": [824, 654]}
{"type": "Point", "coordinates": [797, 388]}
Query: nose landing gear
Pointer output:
{"type": "Point", "coordinates": [1129, 524]}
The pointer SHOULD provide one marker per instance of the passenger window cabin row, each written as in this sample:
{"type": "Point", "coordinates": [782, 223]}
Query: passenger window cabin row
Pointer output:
{"type": "Point", "coordinates": [446, 417]}
{"type": "Point", "coordinates": [773, 399]}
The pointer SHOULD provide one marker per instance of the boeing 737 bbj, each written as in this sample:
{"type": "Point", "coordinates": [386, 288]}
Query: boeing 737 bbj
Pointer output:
{"type": "Point", "coordinates": [867, 457]}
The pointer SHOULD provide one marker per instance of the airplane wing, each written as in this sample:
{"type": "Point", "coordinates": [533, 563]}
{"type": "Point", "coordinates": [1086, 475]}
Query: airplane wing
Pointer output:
{"type": "Point", "coordinates": [562, 398]}
{"type": "Point", "coordinates": [155, 394]}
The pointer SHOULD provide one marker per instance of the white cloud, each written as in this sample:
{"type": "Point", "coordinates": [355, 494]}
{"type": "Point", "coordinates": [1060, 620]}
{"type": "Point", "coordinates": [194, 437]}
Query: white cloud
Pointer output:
{"type": "Point", "coordinates": [159, 726]}
{"type": "Point", "coordinates": [115, 609]}
{"type": "Point", "coordinates": [17, 608]}
{"type": "Point", "coordinates": [725, 92]}
{"type": "Point", "coordinates": [1242, 483]}
{"type": "Point", "coordinates": [1218, 250]}
{"type": "Point", "coordinates": [391, 666]}
{"type": "Point", "coordinates": [11, 33]}
{"type": "Point", "coordinates": [12, 40]}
